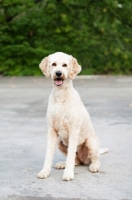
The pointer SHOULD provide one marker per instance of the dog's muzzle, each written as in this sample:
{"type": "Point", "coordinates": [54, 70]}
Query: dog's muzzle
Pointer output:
{"type": "Point", "coordinates": [58, 81]}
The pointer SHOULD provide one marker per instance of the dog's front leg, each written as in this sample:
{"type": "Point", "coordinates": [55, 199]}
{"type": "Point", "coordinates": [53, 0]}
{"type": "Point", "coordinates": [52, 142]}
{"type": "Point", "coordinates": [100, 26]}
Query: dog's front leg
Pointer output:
{"type": "Point", "coordinates": [70, 161]}
{"type": "Point", "coordinates": [51, 142]}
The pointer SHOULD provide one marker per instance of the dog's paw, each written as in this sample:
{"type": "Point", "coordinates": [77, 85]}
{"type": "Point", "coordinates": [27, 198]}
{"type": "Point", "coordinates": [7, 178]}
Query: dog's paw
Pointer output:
{"type": "Point", "coordinates": [60, 165]}
{"type": "Point", "coordinates": [68, 175]}
{"type": "Point", "coordinates": [94, 167]}
{"type": "Point", "coordinates": [43, 174]}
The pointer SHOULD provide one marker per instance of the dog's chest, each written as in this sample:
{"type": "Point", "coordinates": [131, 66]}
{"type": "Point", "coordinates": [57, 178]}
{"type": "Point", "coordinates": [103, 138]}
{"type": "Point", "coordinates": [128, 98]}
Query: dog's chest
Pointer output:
{"type": "Point", "coordinates": [61, 120]}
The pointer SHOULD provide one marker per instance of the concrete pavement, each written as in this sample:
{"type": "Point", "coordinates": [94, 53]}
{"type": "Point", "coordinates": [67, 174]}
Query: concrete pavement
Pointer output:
{"type": "Point", "coordinates": [23, 104]}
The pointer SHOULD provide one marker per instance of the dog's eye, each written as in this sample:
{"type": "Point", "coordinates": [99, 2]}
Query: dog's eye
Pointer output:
{"type": "Point", "coordinates": [54, 64]}
{"type": "Point", "coordinates": [64, 65]}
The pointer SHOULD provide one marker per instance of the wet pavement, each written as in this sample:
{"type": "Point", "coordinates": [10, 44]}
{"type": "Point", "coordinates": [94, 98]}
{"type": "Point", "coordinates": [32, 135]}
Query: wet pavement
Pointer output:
{"type": "Point", "coordinates": [23, 128]}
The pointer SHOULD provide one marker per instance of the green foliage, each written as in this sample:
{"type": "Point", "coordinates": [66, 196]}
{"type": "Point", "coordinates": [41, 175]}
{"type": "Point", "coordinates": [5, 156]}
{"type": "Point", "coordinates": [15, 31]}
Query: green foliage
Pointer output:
{"type": "Point", "coordinates": [97, 33]}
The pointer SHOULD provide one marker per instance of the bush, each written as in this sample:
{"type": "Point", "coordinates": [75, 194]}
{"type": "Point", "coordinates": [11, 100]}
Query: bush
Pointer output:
{"type": "Point", "coordinates": [97, 33]}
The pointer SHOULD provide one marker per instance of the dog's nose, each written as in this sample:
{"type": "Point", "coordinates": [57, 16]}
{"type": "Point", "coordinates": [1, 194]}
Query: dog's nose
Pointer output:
{"type": "Point", "coordinates": [58, 73]}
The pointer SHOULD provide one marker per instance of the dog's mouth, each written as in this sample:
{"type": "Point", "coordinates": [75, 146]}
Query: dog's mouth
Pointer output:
{"type": "Point", "coordinates": [58, 81]}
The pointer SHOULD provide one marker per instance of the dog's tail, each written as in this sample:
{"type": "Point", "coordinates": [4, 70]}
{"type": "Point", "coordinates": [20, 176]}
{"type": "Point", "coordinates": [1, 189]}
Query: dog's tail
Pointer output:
{"type": "Point", "coordinates": [103, 150]}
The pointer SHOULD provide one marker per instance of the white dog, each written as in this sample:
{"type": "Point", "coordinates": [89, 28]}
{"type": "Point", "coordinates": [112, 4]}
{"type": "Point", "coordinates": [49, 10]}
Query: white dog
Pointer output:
{"type": "Point", "coordinates": [68, 120]}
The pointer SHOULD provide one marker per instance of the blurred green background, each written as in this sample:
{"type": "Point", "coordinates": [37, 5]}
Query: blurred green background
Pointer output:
{"type": "Point", "coordinates": [97, 32]}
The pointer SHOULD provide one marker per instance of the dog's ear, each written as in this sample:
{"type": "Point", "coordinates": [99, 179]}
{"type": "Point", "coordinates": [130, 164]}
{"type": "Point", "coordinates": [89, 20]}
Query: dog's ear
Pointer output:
{"type": "Point", "coordinates": [44, 66]}
{"type": "Point", "coordinates": [75, 68]}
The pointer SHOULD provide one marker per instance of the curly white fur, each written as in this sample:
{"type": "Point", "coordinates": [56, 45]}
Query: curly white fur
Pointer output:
{"type": "Point", "coordinates": [68, 120]}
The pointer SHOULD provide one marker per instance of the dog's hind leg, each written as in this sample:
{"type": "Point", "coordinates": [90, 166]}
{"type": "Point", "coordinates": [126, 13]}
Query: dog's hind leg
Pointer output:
{"type": "Point", "coordinates": [93, 153]}
{"type": "Point", "coordinates": [63, 148]}
{"type": "Point", "coordinates": [82, 154]}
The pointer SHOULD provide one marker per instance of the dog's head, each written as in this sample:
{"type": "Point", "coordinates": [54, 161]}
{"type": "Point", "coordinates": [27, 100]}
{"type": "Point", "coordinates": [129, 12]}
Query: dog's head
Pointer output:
{"type": "Point", "coordinates": [60, 67]}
